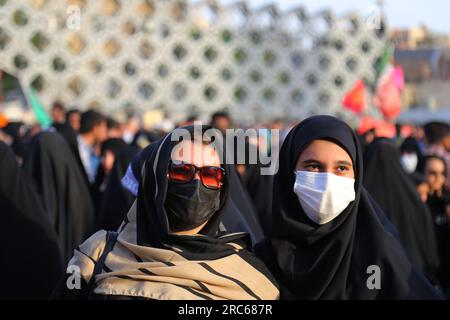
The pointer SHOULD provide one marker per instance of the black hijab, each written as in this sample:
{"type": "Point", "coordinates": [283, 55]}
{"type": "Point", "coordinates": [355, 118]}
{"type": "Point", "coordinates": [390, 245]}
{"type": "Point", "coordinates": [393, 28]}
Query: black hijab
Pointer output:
{"type": "Point", "coordinates": [238, 213]}
{"type": "Point", "coordinates": [62, 187]}
{"type": "Point", "coordinates": [258, 187]}
{"type": "Point", "coordinates": [331, 261]}
{"type": "Point", "coordinates": [70, 136]}
{"type": "Point", "coordinates": [386, 180]}
{"type": "Point", "coordinates": [16, 130]}
{"type": "Point", "coordinates": [117, 200]}
{"type": "Point", "coordinates": [245, 218]}
{"type": "Point", "coordinates": [143, 138]}
{"type": "Point", "coordinates": [31, 262]}
{"type": "Point", "coordinates": [151, 216]}
{"type": "Point", "coordinates": [116, 146]}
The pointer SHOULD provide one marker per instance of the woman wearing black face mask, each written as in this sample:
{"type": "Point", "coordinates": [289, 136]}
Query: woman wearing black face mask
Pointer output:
{"type": "Point", "coordinates": [117, 199]}
{"type": "Point", "coordinates": [330, 240]}
{"type": "Point", "coordinates": [238, 214]}
{"type": "Point", "coordinates": [169, 245]}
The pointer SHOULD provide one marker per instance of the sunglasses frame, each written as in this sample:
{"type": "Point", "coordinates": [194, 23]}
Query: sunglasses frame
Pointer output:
{"type": "Point", "coordinates": [197, 170]}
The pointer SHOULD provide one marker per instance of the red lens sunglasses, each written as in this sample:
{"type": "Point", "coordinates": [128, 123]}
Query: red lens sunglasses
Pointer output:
{"type": "Point", "coordinates": [211, 177]}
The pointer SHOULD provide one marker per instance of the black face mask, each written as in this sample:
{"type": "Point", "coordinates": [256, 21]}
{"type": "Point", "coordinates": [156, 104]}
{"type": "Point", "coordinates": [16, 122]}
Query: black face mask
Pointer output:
{"type": "Point", "coordinates": [188, 205]}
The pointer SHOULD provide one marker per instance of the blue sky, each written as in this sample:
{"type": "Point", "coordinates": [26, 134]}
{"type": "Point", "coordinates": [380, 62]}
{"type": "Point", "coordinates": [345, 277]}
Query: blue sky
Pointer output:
{"type": "Point", "coordinates": [401, 13]}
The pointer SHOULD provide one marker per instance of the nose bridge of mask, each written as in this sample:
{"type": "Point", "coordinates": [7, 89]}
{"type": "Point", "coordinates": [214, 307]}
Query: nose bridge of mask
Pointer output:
{"type": "Point", "coordinates": [324, 180]}
{"type": "Point", "coordinates": [315, 180]}
{"type": "Point", "coordinates": [331, 181]}
{"type": "Point", "coordinates": [198, 192]}
{"type": "Point", "coordinates": [314, 187]}
{"type": "Point", "coordinates": [320, 183]}
{"type": "Point", "coordinates": [186, 190]}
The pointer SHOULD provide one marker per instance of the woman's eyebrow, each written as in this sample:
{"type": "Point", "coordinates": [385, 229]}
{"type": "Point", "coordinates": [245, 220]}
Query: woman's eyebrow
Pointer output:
{"type": "Point", "coordinates": [308, 161]}
{"type": "Point", "coordinates": [344, 163]}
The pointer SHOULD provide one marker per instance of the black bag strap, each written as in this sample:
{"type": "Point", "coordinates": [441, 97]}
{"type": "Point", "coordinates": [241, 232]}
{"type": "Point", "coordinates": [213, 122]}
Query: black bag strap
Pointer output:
{"type": "Point", "coordinates": [111, 239]}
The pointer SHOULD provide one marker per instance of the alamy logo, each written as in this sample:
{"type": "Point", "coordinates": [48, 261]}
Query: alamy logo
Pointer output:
{"type": "Point", "coordinates": [74, 279]}
{"type": "Point", "coordinates": [238, 151]}
{"type": "Point", "coordinates": [73, 21]}
{"type": "Point", "coordinates": [374, 280]}
{"type": "Point", "coordinates": [374, 17]}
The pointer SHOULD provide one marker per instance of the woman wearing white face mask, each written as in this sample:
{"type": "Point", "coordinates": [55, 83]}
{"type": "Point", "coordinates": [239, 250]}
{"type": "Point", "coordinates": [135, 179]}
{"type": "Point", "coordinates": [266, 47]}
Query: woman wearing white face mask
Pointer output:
{"type": "Point", "coordinates": [324, 181]}
{"type": "Point", "coordinates": [411, 155]}
{"type": "Point", "coordinates": [329, 236]}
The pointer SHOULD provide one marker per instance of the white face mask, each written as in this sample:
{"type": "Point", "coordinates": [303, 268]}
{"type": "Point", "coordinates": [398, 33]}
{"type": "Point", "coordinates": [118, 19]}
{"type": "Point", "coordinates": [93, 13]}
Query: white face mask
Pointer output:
{"type": "Point", "coordinates": [128, 136]}
{"type": "Point", "coordinates": [323, 196]}
{"type": "Point", "coordinates": [409, 162]}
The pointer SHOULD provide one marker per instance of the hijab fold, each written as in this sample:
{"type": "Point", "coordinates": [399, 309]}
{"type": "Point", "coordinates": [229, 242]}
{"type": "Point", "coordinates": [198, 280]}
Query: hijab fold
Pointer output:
{"type": "Point", "coordinates": [62, 188]}
{"type": "Point", "coordinates": [392, 188]}
{"type": "Point", "coordinates": [31, 262]}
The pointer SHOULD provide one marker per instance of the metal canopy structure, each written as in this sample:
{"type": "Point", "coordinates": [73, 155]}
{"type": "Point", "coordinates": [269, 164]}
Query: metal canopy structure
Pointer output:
{"type": "Point", "coordinates": [185, 57]}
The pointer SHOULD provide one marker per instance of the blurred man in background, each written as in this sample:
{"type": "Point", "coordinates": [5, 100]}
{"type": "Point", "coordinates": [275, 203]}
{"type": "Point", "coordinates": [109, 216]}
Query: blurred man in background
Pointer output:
{"type": "Point", "coordinates": [58, 112]}
{"type": "Point", "coordinates": [93, 131]}
{"type": "Point", "coordinates": [115, 129]}
{"type": "Point", "coordinates": [73, 118]}
{"type": "Point", "coordinates": [221, 120]}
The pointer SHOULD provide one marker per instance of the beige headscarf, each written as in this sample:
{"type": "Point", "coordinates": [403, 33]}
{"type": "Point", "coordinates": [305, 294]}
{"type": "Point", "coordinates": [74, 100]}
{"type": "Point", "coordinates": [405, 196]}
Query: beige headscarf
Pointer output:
{"type": "Point", "coordinates": [149, 261]}
{"type": "Point", "coordinates": [142, 271]}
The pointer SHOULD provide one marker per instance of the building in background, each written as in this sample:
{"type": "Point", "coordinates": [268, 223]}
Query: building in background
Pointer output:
{"type": "Point", "coordinates": [188, 58]}
{"type": "Point", "coordinates": [418, 38]}
{"type": "Point", "coordinates": [425, 59]}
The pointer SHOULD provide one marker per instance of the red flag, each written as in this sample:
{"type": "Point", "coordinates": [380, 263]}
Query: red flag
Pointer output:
{"type": "Point", "coordinates": [389, 99]}
{"type": "Point", "coordinates": [355, 99]}
{"type": "Point", "coordinates": [366, 123]}
{"type": "Point", "coordinates": [407, 130]}
{"type": "Point", "coordinates": [3, 121]}
{"type": "Point", "coordinates": [385, 130]}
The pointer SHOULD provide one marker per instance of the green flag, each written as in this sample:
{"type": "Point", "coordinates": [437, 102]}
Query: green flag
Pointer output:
{"type": "Point", "coordinates": [385, 60]}
{"type": "Point", "coordinates": [42, 116]}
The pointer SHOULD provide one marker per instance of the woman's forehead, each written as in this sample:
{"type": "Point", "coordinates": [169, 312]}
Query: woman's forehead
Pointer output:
{"type": "Point", "coordinates": [196, 153]}
{"type": "Point", "coordinates": [435, 162]}
{"type": "Point", "coordinates": [325, 150]}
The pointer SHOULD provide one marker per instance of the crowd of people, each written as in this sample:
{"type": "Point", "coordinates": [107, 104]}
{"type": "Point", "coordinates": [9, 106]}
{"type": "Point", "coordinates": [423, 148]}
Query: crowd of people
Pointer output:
{"type": "Point", "coordinates": [134, 217]}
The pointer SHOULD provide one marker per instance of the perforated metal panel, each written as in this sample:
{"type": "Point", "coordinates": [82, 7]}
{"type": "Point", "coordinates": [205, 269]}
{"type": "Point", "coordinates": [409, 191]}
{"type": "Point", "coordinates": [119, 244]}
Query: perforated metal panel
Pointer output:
{"type": "Point", "coordinates": [185, 57]}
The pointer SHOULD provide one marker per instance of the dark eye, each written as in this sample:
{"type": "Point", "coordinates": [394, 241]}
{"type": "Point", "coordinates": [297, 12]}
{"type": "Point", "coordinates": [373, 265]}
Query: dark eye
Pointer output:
{"type": "Point", "coordinates": [342, 169]}
{"type": "Point", "coordinates": [313, 167]}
